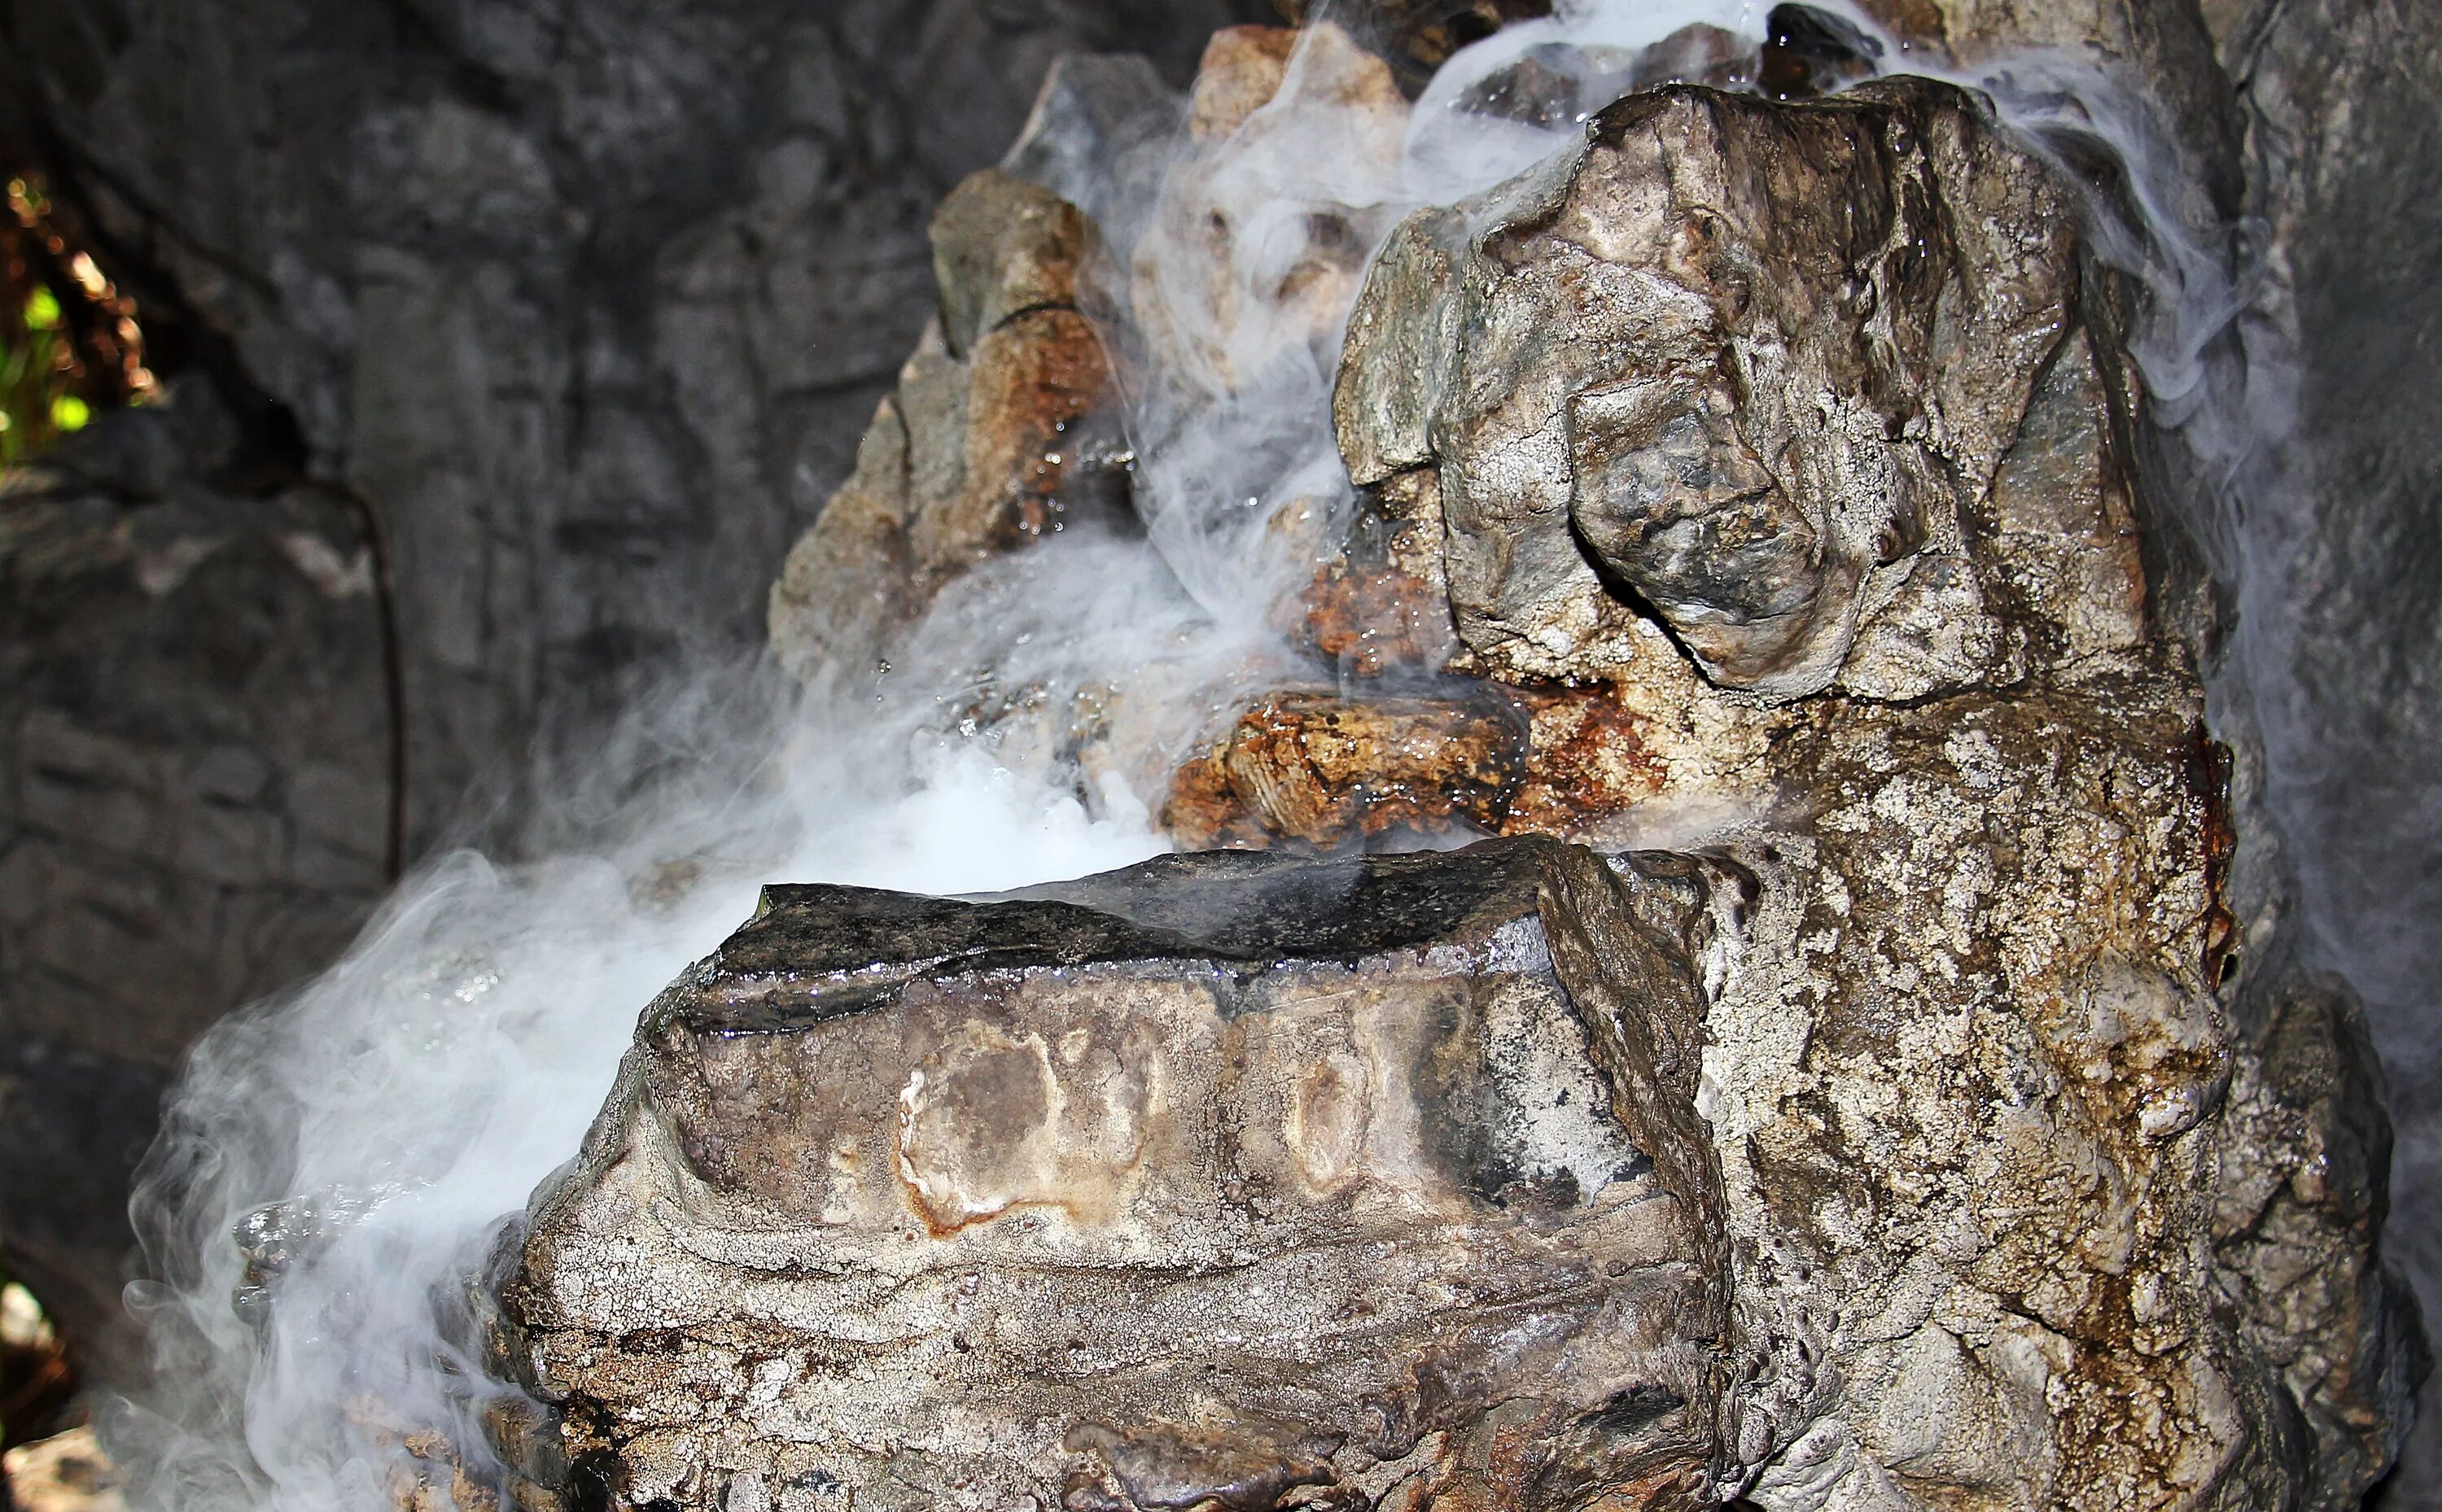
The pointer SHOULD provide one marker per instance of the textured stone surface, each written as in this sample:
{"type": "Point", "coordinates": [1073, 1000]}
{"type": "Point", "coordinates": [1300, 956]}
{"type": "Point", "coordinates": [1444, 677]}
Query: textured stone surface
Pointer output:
{"type": "Point", "coordinates": [2303, 1166]}
{"type": "Point", "coordinates": [2344, 164]}
{"type": "Point", "coordinates": [1321, 768]}
{"type": "Point", "coordinates": [2040, 1182]}
{"type": "Point", "coordinates": [195, 759]}
{"type": "Point", "coordinates": [1754, 357]}
{"type": "Point", "coordinates": [2021, 1178]}
{"type": "Point", "coordinates": [2018, 1186]}
{"type": "Point", "coordinates": [1207, 1182]}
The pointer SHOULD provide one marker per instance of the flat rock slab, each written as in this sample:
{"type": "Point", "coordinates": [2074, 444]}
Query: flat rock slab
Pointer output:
{"type": "Point", "coordinates": [1192, 1184]}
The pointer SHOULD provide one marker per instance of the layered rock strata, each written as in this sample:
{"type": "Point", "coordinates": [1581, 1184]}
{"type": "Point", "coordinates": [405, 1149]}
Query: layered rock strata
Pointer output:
{"type": "Point", "coordinates": [1758, 480]}
{"type": "Point", "coordinates": [1225, 1180]}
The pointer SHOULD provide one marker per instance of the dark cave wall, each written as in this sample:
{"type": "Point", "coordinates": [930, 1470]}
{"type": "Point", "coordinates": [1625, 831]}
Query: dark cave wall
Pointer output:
{"type": "Point", "coordinates": [2344, 168]}
{"type": "Point", "coordinates": [587, 300]}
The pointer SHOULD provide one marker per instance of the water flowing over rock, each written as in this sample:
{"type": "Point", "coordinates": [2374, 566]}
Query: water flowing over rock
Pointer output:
{"type": "Point", "coordinates": [1752, 495]}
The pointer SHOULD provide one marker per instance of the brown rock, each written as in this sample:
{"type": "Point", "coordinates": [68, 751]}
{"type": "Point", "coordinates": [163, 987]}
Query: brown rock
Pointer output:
{"type": "Point", "coordinates": [1592, 757]}
{"type": "Point", "coordinates": [1031, 387]}
{"type": "Point", "coordinates": [1241, 72]}
{"type": "Point", "coordinates": [1002, 248]}
{"type": "Point", "coordinates": [1323, 772]}
{"type": "Point", "coordinates": [1379, 604]}
{"type": "Point", "coordinates": [994, 436]}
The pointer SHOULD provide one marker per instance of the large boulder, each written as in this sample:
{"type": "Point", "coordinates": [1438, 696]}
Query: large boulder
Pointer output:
{"type": "Point", "coordinates": [1225, 1179]}
{"type": "Point", "coordinates": [1740, 364]}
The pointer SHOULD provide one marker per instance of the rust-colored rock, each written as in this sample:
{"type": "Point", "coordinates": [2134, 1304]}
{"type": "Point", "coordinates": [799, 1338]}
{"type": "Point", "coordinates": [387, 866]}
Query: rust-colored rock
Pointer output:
{"type": "Point", "coordinates": [1379, 604]}
{"type": "Point", "coordinates": [1592, 758]}
{"type": "Point", "coordinates": [1324, 771]}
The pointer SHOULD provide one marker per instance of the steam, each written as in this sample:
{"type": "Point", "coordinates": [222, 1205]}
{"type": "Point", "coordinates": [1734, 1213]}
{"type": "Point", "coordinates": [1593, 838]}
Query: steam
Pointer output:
{"type": "Point", "coordinates": [429, 1082]}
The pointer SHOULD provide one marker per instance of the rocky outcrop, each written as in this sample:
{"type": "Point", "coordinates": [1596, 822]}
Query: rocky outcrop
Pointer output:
{"type": "Point", "coordinates": [2027, 579]}
{"type": "Point", "coordinates": [1765, 481]}
{"type": "Point", "coordinates": [1000, 428]}
{"type": "Point", "coordinates": [1733, 365]}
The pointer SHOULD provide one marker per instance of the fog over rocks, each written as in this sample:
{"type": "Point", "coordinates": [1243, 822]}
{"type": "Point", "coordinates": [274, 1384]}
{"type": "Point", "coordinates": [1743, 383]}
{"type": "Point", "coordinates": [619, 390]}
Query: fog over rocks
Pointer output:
{"type": "Point", "coordinates": [1898, 604]}
{"type": "Point", "coordinates": [588, 304]}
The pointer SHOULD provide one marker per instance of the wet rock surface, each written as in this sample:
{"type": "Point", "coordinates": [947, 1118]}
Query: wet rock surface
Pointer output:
{"type": "Point", "coordinates": [1227, 1179]}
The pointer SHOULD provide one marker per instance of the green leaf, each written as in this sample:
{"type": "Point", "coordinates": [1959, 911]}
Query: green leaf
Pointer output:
{"type": "Point", "coordinates": [68, 412]}
{"type": "Point", "coordinates": [42, 310]}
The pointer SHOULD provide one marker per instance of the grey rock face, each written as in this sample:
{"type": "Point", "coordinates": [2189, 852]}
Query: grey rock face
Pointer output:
{"type": "Point", "coordinates": [2297, 1224]}
{"type": "Point", "coordinates": [2343, 162]}
{"type": "Point", "coordinates": [1742, 363]}
{"type": "Point", "coordinates": [1197, 1183]}
{"type": "Point", "coordinates": [196, 758]}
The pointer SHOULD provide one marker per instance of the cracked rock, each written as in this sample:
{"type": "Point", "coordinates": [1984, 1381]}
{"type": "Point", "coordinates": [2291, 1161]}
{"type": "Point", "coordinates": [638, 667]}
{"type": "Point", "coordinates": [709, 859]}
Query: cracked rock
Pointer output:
{"type": "Point", "coordinates": [1735, 363]}
{"type": "Point", "coordinates": [996, 435]}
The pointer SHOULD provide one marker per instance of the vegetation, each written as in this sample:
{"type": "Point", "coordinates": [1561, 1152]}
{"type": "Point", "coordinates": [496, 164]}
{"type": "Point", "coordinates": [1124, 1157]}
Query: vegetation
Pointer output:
{"type": "Point", "coordinates": [69, 343]}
